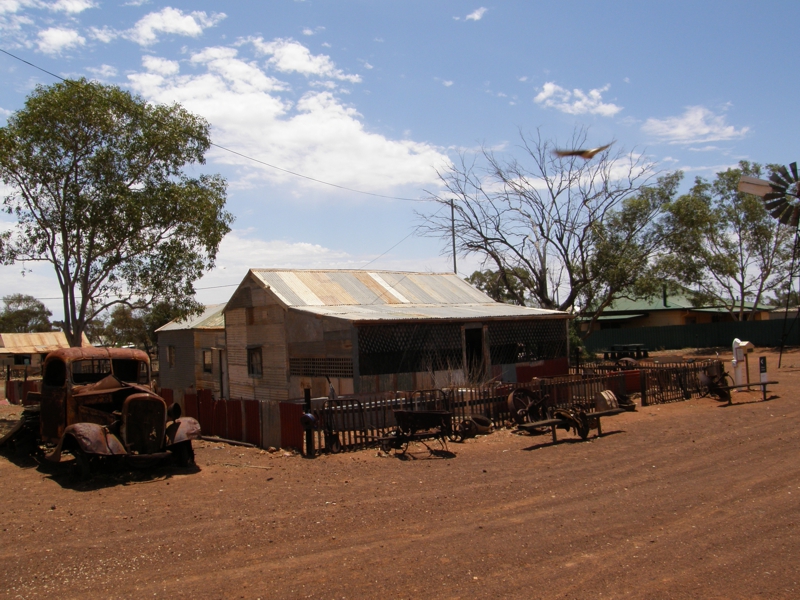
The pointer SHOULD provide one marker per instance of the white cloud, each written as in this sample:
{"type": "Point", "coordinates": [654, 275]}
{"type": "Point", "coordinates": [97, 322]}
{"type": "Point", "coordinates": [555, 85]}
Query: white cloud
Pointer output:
{"type": "Point", "coordinates": [576, 102]}
{"type": "Point", "coordinates": [476, 15]}
{"type": "Point", "coordinates": [289, 56]}
{"type": "Point", "coordinates": [523, 79]}
{"type": "Point", "coordinates": [171, 20]}
{"type": "Point", "coordinates": [103, 34]}
{"type": "Point", "coordinates": [103, 72]}
{"type": "Point", "coordinates": [704, 149]}
{"type": "Point", "coordinates": [696, 125]}
{"type": "Point", "coordinates": [447, 83]}
{"type": "Point", "coordinates": [317, 136]}
{"type": "Point", "coordinates": [308, 31]}
{"type": "Point", "coordinates": [161, 66]}
{"type": "Point", "coordinates": [71, 6]}
{"type": "Point", "coordinates": [56, 39]}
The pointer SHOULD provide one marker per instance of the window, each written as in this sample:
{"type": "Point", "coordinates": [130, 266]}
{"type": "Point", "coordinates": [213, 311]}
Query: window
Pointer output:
{"type": "Point", "coordinates": [254, 362]}
{"type": "Point", "coordinates": [207, 366]}
{"type": "Point", "coordinates": [171, 356]}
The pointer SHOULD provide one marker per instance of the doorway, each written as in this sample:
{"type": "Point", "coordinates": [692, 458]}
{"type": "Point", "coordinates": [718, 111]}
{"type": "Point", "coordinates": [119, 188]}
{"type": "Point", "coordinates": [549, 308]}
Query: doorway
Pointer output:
{"type": "Point", "coordinates": [474, 354]}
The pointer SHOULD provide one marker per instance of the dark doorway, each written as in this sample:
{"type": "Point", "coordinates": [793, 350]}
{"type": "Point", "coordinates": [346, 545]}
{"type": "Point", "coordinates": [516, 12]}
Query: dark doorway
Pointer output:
{"type": "Point", "coordinates": [473, 344]}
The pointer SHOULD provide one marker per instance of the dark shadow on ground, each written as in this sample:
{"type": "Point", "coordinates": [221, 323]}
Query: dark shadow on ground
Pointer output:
{"type": "Point", "coordinates": [106, 474]}
{"type": "Point", "coordinates": [756, 401]}
{"type": "Point", "coordinates": [570, 440]}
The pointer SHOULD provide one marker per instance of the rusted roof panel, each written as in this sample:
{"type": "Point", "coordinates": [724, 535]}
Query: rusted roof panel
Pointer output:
{"type": "Point", "coordinates": [34, 343]}
{"type": "Point", "coordinates": [211, 318]}
{"type": "Point", "coordinates": [367, 288]}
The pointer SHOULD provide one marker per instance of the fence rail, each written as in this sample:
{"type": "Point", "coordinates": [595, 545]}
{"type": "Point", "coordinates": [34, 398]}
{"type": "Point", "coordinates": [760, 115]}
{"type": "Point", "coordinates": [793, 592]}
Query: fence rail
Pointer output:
{"type": "Point", "coordinates": [361, 420]}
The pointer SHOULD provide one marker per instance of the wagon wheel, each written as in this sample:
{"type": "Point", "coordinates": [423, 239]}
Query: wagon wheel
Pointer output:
{"type": "Point", "coordinates": [332, 442]}
{"type": "Point", "coordinates": [457, 433]}
{"type": "Point", "coordinates": [519, 403]}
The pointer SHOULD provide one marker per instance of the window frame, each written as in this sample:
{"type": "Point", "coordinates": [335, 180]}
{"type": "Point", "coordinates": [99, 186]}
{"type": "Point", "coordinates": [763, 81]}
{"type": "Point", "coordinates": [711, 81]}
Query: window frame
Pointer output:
{"type": "Point", "coordinates": [252, 371]}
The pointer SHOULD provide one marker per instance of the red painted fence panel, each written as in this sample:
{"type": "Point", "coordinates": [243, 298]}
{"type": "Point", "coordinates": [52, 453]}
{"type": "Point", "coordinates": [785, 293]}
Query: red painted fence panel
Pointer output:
{"type": "Point", "coordinates": [205, 411]}
{"type": "Point", "coordinates": [220, 426]}
{"type": "Point", "coordinates": [234, 420]}
{"type": "Point", "coordinates": [252, 421]}
{"type": "Point", "coordinates": [291, 430]}
{"type": "Point", "coordinates": [190, 407]}
{"type": "Point", "coordinates": [167, 395]}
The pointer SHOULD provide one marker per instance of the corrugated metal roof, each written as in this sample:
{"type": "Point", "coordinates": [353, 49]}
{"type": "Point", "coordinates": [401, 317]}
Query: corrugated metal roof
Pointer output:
{"type": "Point", "coordinates": [415, 312]}
{"type": "Point", "coordinates": [211, 318]}
{"type": "Point", "coordinates": [368, 288]}
{"type": "Point", "coordinates": [34, 343]}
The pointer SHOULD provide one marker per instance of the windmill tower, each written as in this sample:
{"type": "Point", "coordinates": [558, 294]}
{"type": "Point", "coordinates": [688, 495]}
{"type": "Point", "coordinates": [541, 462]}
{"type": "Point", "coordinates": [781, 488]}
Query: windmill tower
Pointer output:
{"type": "Point", "coordinates": [781, 196]}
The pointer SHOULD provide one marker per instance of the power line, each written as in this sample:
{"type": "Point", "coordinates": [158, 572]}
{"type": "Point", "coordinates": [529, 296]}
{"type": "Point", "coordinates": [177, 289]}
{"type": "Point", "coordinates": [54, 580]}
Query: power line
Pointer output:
{"type": "Point", "coordinates": [245, 156]}
{"type": "Point", "coordinates": [250, 158]}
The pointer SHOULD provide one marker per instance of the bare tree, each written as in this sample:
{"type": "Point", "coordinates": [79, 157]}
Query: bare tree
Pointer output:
{"type": "Point", "coordinates": [548, 222]}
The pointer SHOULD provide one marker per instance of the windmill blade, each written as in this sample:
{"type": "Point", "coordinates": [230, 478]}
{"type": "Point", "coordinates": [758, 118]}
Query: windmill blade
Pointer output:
{"type": "Point", "coordinates": [795, 216]}
{"type": "Point", "coordinates": [793, 167]}
{"type": "Point", "coordinates": [777, 181]}
{"type": "Point", "coordinates": [774, 196]}
{"type": "Point", "coordinates": [773, 204]}
{"type": "Point", "coordinates": [755, 186]}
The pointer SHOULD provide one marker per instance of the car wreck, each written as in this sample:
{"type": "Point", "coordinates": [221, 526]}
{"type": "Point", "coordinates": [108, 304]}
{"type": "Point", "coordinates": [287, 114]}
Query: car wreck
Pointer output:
{"type": "Point", "coordinates": [99, 404]}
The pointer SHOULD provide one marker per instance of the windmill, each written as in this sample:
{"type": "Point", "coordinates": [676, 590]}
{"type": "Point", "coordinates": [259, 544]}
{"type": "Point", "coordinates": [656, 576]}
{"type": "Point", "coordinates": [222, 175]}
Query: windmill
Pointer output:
{"type": "Point", "coordinates": [781, 196]}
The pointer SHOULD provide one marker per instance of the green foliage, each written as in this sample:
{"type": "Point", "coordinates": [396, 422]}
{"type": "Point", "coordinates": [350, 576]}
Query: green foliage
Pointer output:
{"type": "Point", "coordinates": [507, 285]}
{"type": "Point", "coordinates": [99, 192]}
{"type": "Point", "coordinates": [724, 245]}
{"type": "Point", "coordinates": [24, 314]}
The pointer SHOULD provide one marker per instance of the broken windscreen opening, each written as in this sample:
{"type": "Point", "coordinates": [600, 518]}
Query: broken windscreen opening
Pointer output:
{"type": "Point", "coordinates": [131, 371]}
{"type": "Point", "coordinates": [90, 370]}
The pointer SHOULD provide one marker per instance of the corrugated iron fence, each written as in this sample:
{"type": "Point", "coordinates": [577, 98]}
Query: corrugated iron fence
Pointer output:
{"type": "Point", "coordinates": [360, 420]}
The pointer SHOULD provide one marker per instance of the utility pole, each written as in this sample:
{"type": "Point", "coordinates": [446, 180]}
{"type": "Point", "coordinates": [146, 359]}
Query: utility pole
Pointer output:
{"type": "Point", "coordinates": [453, 227]}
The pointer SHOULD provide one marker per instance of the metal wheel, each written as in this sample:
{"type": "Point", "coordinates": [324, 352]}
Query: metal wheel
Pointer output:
{"type": "Point", "coordinates": [332, 443]}
{"type": "Point", "coordinates": [82, 465]}
{"type": "Point", "coordinates": [183, 453]}
{"type": "Point", "coordinates": [522, 403]}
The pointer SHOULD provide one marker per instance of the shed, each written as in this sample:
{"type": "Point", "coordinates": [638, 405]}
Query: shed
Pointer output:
{"type": "Point", "coordinates": [191, 353]}
{"type": "Point", "coordinates": [287, 330]}
{"type": "Point", "coordinates": [31, 348]}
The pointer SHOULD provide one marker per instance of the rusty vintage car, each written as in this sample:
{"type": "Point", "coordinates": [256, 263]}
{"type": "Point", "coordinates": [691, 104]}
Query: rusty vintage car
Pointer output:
{"type": "Point", "coordinates": [99, 402]}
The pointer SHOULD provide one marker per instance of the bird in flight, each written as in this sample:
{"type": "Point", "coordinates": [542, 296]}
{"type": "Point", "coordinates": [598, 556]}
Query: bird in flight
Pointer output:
{"type": "Point", "coordinates": [585, 154]}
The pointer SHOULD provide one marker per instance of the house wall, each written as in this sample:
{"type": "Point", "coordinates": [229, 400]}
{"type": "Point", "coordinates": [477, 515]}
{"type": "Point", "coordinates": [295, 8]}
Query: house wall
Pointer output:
{"type": "Point", "coordinates": [213, 340]}
{"type": "Point", "coordinates": [324, 339]}
{"type": "Point", "coordinates": [179, 376]}
{"type": "Point", "coordinates": [253, 319]}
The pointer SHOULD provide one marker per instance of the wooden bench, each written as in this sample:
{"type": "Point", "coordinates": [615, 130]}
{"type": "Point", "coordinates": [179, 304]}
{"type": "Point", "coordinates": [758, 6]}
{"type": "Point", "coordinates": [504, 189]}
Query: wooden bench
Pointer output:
{"type": "Point", "coordinates": [553, 424]}
{"type": "Point", "coordinates": [762, 384]}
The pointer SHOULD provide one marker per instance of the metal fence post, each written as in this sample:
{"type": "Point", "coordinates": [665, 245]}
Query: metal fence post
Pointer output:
{"type": "Point", "coordinates": [643, 385]}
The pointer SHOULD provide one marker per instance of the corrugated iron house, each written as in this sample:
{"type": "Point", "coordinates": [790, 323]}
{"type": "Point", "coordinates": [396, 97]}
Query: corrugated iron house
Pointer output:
{"type": "Point", "coordinates": [31, 348]}
{"type": "Point", "coordinates": [191, 353]}
{"type": "Point", "coordinates": [287, 330]}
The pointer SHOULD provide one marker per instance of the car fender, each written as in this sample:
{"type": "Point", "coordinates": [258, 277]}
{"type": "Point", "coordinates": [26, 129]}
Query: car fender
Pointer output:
{"type": "Point", "coordinates": [183, 429]}
{"type": "Point", "coordinates": [91, 438]}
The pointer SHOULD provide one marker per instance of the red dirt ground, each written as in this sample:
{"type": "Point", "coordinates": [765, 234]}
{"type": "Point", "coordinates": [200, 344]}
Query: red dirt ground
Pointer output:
{"type": "Point", "coordinates": [693, 499]}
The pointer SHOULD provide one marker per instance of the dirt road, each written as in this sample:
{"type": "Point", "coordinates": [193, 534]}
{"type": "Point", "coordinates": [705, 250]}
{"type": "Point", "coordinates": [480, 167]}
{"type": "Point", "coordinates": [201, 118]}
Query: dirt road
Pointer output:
{"type": "Point", "coordinates": [688, 500]}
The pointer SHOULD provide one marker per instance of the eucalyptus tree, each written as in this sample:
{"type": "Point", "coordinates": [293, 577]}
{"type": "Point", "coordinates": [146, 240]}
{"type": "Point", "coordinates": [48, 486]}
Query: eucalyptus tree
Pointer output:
{"type": "Point", "coordinates": [724, 245]}
{"type": "Point", "coordinates": [99, 189]}
{"type": "Point", "coordinates": [574, 233]}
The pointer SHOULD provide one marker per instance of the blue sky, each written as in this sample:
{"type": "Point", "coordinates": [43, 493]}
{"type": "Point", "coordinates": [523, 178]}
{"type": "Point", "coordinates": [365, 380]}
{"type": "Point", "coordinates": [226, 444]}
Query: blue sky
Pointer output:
{"type": "Point", "coordinates": [375, 96]}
